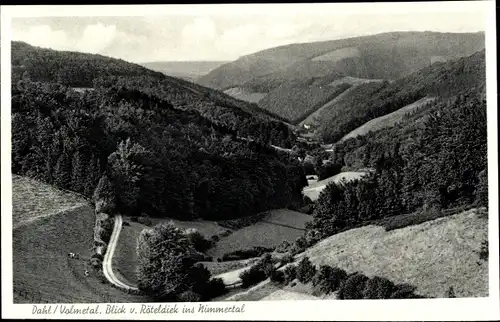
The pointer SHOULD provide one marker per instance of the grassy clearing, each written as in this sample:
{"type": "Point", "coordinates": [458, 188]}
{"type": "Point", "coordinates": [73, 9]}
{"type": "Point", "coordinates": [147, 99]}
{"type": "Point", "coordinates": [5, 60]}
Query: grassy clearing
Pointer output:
{"type": "Point", "coordinates": [205, 227]}
{"type": "Point", "coordinates": [282, 295]}
{"type": "Point", "coordinates": [41, 265]}
{"type": "Point", "coordinates": [32, 200]}
{"type": "Point", "coordinates": [239, 93]}
{"type": "Point", "coordinates": [125, 256]}
{"type": "Point", "coordinates": [432, 256]}
{"type": "Point", "coordinates": [387, 120]}
{"type": "Point", "coordinates": [217, 268]}
{"type": "Point", "coordinates": [289, 218]}
{"type": "Point", "coordinates": [255, 293]}
{"type": "Point", "coordinates": [338, 54]}
{"type": "Point", "coordinates": [41, 269]}
{"type": "Point", "coordinates": [314, 189]}
{"type": "Point", "coordinates": [260, 234]}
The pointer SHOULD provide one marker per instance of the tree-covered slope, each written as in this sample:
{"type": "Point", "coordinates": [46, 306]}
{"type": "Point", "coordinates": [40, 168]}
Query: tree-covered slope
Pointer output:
{"type": "Point", "coordinates": [369, 101]}
{"type": "Point", "coordinates": [76, 69]}
{"type": "Point", "coordinates": [283, 75]}
{"type": "Point", "coordinates": [387, 55]}
{"type": "Point", "coordinates": [160, 159]}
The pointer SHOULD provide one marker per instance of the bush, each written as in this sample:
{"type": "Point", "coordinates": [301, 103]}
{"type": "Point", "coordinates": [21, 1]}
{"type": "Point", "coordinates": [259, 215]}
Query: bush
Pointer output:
{"type": "Point", "coordinates": [133, 219]}
{"type": "Point", "coordinates": [252, 276]}
{"type": "Point", "coordinates": [277, 277]}
{"type": "Point", "coordinates": [199, 242]}
{"type": "Point", "coordinates": [126, 223]}
{"type": "Point", "coordinates": [286, 259]}
{"type": "Point", "coordinates": [328, 279]}
{"type": "Point", "coordinates": [403, 291]}
{"type": "Point", "coordinates": [144, 220]}
{"type": "Point", "coordinates": [215, 238]}
{"type": "Point", "coordinates": [290, 273]}
{"type": "Point", "coordinates": [97, 256]}
{"type": "Point", "coordinates": [378, 288]}
{"type": "Point", "coordinates": [451, 292]}
{"type": "Point", "coordinates": [189, 296]}
{"type": "Point", "coordinates": [305, 270]}
{"type": "Point", "coordinates": [283, 247]}
{"type": "Point", "coordinates": [352, 288]}
{"type": "Point", "coordinates": [299, 245]}
{"type": "Point", "coordinates": [215, 287]}
{"type": "Point", "coordinates": [484, 252]}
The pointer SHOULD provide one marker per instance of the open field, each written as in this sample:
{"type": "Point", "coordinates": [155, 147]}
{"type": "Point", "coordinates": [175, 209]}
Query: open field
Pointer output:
{"type": "Point", "coordinates": [41, 268]}
{"type": "Point", "coordinates": [288, 217]}
{"type": "Point", "coordinates": [217, 268]}
{"type": "Point", "coordinates": [260, 234]}
{"type": "Point", "coordinates": [32, 200]}
{"type": "Point", "coordinates": [387, 120]}
{"type": "Point", "coordinates": [239, 93]}
{"type": "Point", "coordinates": [205, 227]}
{"type": "Point", "coordinates": [432, 256]}
{"type": "Point", "coordinates": [314, 189]}
{"type": "Point", "coordinates": [277, 226]}
{"type": "Point", "coordinates": [326, 108]}
{"type": "Point", "coordinates": [338, 54]}
{"type": "Point", "coordinates": [282, 295]}
{"type": "Point", "coordinates": [125, 256]}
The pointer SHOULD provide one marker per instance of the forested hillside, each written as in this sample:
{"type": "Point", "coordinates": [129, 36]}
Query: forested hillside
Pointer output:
{"type": "Point", "coordinates": [291, 76]}
{"type": "Point", "coordinates": [73, 69]}
{"type": "Point", "coordinates": [434, 158]}
{"type": "Point", "coordinates": [76, 69]}
{"type": "Point", "coordinates": [388, 55]}
{"type": "Point", "coordinates": [372, 100]}
{"type": "Point", "coordinates": [441, 164]}
{"type": "Point", "coordinates": [164, 145]}
{"type": "Point", "coordinates": [159, 160]}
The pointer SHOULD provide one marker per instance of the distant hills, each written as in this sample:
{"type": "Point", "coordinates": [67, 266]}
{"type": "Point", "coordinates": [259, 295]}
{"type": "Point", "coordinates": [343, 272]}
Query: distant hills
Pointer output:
{"type": "Point", "coordinates": [188, 70]}
{"type": "Point", "coordinates": [292, 80]}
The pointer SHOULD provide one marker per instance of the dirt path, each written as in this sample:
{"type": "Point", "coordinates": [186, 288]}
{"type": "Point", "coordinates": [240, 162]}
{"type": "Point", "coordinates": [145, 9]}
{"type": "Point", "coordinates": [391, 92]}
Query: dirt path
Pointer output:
{"type": "Point", "coordinates": [108, 257]}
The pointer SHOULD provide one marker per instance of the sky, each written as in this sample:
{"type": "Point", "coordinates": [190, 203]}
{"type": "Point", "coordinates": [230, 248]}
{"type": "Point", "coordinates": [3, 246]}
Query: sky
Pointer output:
{"type": "Point", "coordinates": [217, 35]}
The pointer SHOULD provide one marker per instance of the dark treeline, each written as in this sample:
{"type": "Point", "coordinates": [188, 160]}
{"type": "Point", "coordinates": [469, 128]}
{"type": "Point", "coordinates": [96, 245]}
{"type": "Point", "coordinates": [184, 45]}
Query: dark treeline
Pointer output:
{"type": "Point", "coordinates": [161, 160]}
{"type": "Point", "coordinates": [439, 164]}
{"type": "Point", "coordinates": [209, 104]}
{"type": "Point", "coordinates": [73, 69]}
{"type": "Point", "coordinates": [373, 100]}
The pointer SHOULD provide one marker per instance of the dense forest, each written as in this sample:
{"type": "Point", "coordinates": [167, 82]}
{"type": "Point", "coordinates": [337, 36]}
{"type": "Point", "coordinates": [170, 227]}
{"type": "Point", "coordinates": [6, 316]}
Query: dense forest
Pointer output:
{"type": "Point", "coordinates": [295, 100]}
{"type": "Point", "coordinates": [435, 158]}
{"type": "Point", "coordinates": [161, 160]}
{"type": "Point", "coordinates": [80, 70]}
{"type": "Point", "coordinates": [389, 55]}
{"type": "Point", "coordinates": [369, 101]}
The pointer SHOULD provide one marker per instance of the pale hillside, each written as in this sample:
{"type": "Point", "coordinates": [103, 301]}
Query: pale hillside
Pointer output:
{"type": "Point", "coordinates": [387, 120]}
{"type": "Point", "coordinates": [432, 256]}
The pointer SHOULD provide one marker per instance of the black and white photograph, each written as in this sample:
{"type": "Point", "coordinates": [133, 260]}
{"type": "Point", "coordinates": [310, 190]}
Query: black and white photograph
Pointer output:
{"type": "Point", "coordinates": [278, 153]}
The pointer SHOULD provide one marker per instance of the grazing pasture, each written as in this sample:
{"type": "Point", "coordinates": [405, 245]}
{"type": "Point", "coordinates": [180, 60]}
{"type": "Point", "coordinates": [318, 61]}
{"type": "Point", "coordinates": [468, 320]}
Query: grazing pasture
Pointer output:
{"type": "Point", "coordinates": [32, 200]}
{"type": "Point", "coordinates": [275, 227]}
{"type": "Point", "coordinates": [42, 271]}
{"type": "Point", "coordinates": [432, 256]}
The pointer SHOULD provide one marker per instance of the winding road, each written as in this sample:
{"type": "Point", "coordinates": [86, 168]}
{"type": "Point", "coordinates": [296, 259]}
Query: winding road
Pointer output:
{"type": "Point", "coordinates": [231, 278]}
{"type": "Point", "coordinates": [107, 264]}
